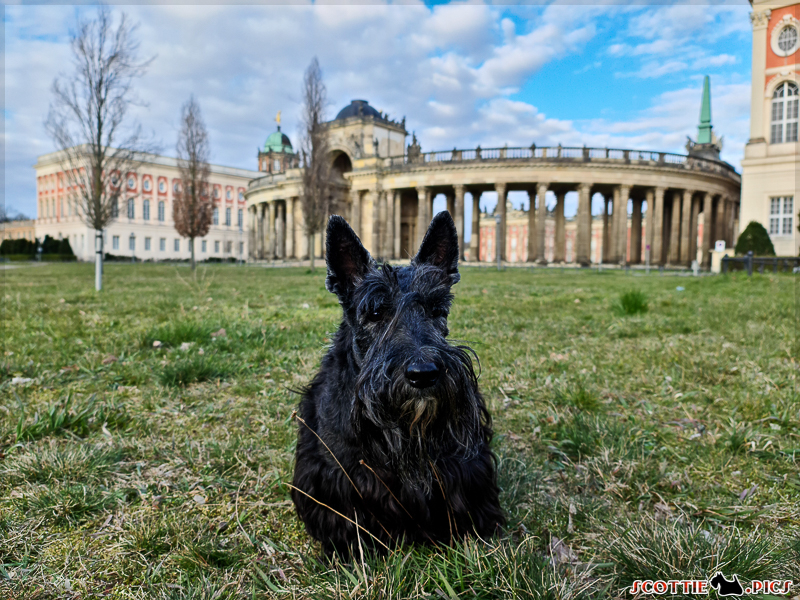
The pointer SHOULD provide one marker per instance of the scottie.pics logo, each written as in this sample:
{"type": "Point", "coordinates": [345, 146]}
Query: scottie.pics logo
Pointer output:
{"type": "Point", "coordinates": [724, 586]}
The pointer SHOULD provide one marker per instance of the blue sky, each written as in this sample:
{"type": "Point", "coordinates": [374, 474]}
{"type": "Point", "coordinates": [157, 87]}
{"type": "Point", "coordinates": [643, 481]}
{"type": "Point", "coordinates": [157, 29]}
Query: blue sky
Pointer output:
{"type": "Point", "coordinates": [621, 75]}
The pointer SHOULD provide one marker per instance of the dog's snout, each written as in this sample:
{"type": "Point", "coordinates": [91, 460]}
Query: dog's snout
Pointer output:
{"type": "Point", "coordinates": [422, 375]}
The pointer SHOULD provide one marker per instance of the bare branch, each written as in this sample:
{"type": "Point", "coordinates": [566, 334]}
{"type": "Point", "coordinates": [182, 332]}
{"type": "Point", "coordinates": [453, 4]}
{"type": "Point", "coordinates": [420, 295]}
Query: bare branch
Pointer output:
{"type": "Point", "coordinates": [193, 206]}
{"type": "Point", "coordinates": [87, 114]}
{"type": "Point", "coordinates": [317, 192]}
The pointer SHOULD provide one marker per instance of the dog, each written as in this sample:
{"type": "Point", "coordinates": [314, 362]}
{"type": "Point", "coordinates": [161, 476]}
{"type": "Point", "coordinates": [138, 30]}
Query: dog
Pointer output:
{"type": "Point", "coordinates": [394, 437]}
{"type": "Point", "coordinates": [725, 587]}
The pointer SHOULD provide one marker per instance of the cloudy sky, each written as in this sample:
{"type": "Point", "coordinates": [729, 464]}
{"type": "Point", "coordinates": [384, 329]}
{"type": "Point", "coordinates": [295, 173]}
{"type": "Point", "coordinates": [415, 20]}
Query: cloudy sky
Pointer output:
{"type": "Point", "coordinates": [463, 74]}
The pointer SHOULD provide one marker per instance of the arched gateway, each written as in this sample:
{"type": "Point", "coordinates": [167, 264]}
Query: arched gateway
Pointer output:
{"type": "Point", "coordinates": [386, 191]}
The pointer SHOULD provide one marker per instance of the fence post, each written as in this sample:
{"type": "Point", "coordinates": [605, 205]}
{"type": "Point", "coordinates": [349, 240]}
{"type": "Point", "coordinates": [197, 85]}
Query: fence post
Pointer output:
{"type": "Point", "coordinates": [750, 263]}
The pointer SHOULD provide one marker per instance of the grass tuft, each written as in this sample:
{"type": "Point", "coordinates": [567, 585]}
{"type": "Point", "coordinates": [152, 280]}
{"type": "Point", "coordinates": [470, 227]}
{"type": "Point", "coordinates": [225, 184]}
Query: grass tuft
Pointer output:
{"type": "Point", "coordinates": [633, 302]}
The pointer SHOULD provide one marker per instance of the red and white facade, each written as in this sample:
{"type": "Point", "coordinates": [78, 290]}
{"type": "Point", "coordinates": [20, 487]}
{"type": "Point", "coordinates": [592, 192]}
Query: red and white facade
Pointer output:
{"type": "Point", "coordinates": [144, 228]}
{"type": "Point", "coordinates": [769, 168]}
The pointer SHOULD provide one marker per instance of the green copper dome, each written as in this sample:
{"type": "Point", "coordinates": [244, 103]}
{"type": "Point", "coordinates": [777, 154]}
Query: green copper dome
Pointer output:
{"type": "Point", "coordinates": [278, 142]}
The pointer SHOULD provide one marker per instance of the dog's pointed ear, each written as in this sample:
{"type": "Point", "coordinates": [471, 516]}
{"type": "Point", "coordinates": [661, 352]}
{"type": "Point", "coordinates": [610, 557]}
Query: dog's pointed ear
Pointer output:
{"type": "Point", "coordinates": [440, 246]}
{"type": "Point", "coordinates": [347, 259]}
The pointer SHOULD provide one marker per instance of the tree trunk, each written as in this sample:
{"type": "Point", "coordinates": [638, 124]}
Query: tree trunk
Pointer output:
{"type": "Point", "coordinates": [98, 262]}
{"type": "Point", "coordinates": [191, 246]}
{"type": "Point", "coordinates": [311, 250]}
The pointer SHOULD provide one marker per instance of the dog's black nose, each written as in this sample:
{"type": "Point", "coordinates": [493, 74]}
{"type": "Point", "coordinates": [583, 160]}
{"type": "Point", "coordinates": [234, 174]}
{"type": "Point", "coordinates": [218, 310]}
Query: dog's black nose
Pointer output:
{"type": "Point", "coordinates": [422, 375]}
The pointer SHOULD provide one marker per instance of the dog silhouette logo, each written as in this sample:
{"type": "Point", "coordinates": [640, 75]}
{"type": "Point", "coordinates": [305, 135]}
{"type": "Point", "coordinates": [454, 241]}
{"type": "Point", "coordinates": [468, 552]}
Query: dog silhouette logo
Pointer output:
{"type": "Point", "coordinates": [725, 587]}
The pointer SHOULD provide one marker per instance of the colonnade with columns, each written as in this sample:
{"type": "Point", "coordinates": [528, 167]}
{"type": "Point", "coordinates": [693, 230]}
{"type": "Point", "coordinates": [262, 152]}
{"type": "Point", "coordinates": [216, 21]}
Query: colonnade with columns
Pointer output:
{"type": "Point", "coordinates": [392, 221]}
{"type": "Point", "coordinates": [276, 231]}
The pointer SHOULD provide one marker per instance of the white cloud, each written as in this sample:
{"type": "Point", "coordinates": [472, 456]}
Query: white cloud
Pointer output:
{"type": "Point", "coordinates": [449, 69]}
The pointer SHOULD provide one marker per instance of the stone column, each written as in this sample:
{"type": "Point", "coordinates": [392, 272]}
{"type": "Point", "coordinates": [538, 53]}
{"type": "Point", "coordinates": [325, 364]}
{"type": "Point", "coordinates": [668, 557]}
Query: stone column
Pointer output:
{"type": "Point", "coordinates": [450, 203]}
{"type": "Point", "coordinates": [694, 228]}
{"type": "Point", "coordinates": [501, 207]}
{"type": "Point", "coordinates": [686, 223]}
{"type": "Point", "coordinates": [636, 232]}
{"type": "Point", "coordinates": [706, 244]}
{"type": "Point", "coordinates": [657, 249]}
{"type": "Point", "coordinates": [475, 240]}
{"type": "Point", "coordinates": [675, 230]}
{"type": "Point", "coordinates": [388, 243]}
{"type": "Point", "coordinates": [397, 203]}
{"type": "Point", "coordinates": [383, 219]}
{"type": "Point", "coordinates": [760, 22]}
{"type": "Point", "coordinates": [423, 218]}
{"type": "Point", "coordinates": [375, 227]}
{"type": "Point", "coordinates": [280, 229]}
{"type": "Point", "coordinates": [621, 196]}
{"type": "Point", "coordinates": [583, 243]}
{"type": "Point", "coordinates": [606, 254]}
{"type": "Point", "coordinates": [355, 211]}
{"type": "Point", "coordinates": [648, 225]}
{"type": "Point", "coordinates": [541, 220]}
{"type": "Point", "coordinates": [263, 234]}
{"type": "Point", "coordinates": [560, 249]}
{"type": "Point", "coordinates": [532, 241]}
{"type": "Point", "coordinates": [613, 244]}
{"type": "Point", "coordinates": [271, 230]}
{"type": "Point", "coordinates": [290, 204]}
{"type": "Point", "coordinates": [458, 216]}
{"type": "Point", "coordinates": [719, 228]}
{"type": "Point", "coordinates": [252, 228]}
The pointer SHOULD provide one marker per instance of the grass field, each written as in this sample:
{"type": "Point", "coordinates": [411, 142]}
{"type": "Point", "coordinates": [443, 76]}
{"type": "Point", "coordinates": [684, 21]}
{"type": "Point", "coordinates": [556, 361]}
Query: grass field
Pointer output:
{"type": "Point", "coordinates": [642, 433]}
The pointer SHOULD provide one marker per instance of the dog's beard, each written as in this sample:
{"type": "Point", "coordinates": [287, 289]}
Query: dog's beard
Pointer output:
{"type": "Point", "coordinates": [406, 429]}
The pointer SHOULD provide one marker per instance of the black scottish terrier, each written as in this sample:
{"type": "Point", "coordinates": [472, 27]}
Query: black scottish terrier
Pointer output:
{"type": "Point", "coordinates": [725, 587]}
{"type": "Point", "coordinates": [393, 441]}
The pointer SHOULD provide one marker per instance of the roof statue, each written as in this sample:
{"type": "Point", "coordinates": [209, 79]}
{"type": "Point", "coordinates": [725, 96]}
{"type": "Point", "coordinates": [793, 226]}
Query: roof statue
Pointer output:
{"type": "Point", "coordinates": [708, 145]}
{"type": "Point", "coordinates": [278, 120]}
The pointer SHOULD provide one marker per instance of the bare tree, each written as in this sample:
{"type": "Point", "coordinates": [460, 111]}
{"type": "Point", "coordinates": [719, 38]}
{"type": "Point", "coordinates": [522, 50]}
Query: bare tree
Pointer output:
{"type": "Point", "coordinates": [87, 121]}
{"type": "Point", "coordinates": [316, 198]}
{"type": "Point", "coordinates": [193, 206]}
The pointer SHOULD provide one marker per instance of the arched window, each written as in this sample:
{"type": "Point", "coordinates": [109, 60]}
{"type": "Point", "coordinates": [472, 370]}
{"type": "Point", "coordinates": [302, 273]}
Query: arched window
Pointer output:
{"type": "Point", "coordinates": [784, 113]}
{"type": "Point", "coordinates": [131, 209]}
{"type": "Point", "coordinates": [161, 211]}
{"type": "Point", "coordinates": [146, 210]}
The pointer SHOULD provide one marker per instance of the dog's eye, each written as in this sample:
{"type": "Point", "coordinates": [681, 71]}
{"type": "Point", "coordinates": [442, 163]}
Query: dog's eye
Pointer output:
{"type": "Point", "coordinates": [439, 312]}
{"type": "Point", "coordinates": [374, 315]}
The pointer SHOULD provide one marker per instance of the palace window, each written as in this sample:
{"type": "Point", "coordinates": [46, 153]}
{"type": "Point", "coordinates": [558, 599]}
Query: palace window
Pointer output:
{"type": "Point", "coordinates": [204, 246]}
{"type": "Point", "coordinates": [781, 215]}
{"type": "Point", "coordinates": [115, 208]}
{"type": "Point", "coordinates": [147, 243]}
{"type": "Point", "coordinates": [162, 244]}
{"type": "Point", "coordinates": [132, 243]}
{"type": "Point", "coordinates": [228, 247]}
{"type": "Point", "coordinates": [131, 208]}
{"type": "Point", "coordinates": [215, 216]}
{"type": "Point", "coordinates": [784, 113]}
{"type": "Point", "coordinates": [146, 210]}
{"type": "Point", "coordinates": [228, 217]}
{"type": "Point", "coordinates": [115, 242]}
{"type": "Point", "coordinates": [216, 247]}
{"type": "Point", "coordinates": [162, 187]}
{"type": "Point", "coordinates": [787, 39]}
{"type": "Point", "coordinates": [177, 245]}
{"type": "Point", "coordinates": [161, 211]}
{"type": "Point", "coordinates": [146, 185]}
{"type": "Point", "coordinates": [241, 248]}
{"type": "Point", "coordinates": [241, 218]}
{"type": "Point", "coordinates": [276, 166]}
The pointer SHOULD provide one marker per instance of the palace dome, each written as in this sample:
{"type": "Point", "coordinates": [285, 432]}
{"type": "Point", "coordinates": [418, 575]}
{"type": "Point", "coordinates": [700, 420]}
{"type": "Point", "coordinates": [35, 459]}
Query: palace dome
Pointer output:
{"type": "Point", "coordinates": [278, 142]}
{"type": "Point", "coordinates": [358, 108]}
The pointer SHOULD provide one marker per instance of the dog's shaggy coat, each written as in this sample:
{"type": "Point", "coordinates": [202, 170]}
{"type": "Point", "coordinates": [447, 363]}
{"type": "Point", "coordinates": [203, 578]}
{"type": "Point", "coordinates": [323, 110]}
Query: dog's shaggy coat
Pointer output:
{"type": "Point", "coordinates": [382, 455]}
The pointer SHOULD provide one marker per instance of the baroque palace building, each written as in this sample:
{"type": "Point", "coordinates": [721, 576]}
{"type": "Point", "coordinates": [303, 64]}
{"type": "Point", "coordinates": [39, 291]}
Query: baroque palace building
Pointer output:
{"type": "Point", "coordinates": [770, 165]}
{"type": "Point", "coordinates": [670, 208]}
{"type": "Point", "coordinates": [673, 206]}
{"type": "Point", "coordinates": [144, 228]}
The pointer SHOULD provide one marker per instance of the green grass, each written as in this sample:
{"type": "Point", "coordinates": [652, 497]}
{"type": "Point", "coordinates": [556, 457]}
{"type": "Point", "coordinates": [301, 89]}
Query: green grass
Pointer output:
{"type": "Point", "coordinates": [655, 432]}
